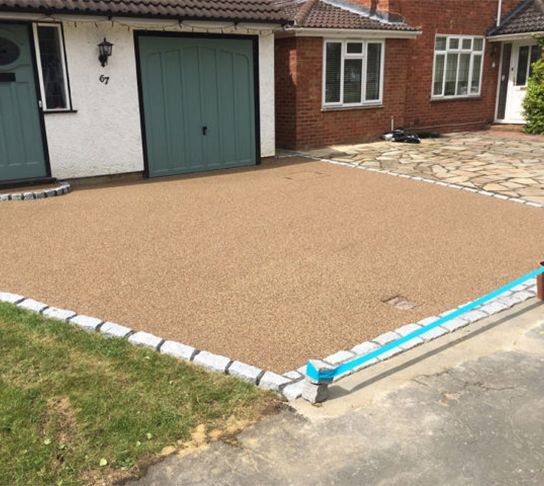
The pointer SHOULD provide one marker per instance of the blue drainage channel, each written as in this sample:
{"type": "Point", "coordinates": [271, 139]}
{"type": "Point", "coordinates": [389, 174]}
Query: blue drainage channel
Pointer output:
{"type": "Point", "coordinates": [326, 376]}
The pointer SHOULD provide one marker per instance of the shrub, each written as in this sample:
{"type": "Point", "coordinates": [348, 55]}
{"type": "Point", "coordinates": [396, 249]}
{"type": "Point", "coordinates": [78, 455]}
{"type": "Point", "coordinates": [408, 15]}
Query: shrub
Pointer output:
{"type": "Point", "coordinates": [533, 104]}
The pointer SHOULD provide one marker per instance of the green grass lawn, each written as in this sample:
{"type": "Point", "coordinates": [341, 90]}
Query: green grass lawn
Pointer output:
{"type": "Point", "coordinates": [80, 408]}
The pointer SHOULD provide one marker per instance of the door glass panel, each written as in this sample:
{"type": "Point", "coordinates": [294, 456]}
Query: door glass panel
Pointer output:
{"type": "Point", "coordinates": [353, 69]}
{"type": "Point", "coordinates": [9, 51]}
{"type": "Point", "coordinates": [523, 60]}
{"type": "Point", "coordinates": [535, 56]}
{"type": "Point", "coordinates": [52, 69]}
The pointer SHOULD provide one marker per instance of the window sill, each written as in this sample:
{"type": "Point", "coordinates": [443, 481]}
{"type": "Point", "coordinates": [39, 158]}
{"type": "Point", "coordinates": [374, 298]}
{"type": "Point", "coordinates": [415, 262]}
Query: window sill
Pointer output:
{"type": "Point", "coordinates": [52, 112]}
{"type": "Point", "coordinates": [351, 108]}
{"type": "Point", "coordinates": [456, 98]}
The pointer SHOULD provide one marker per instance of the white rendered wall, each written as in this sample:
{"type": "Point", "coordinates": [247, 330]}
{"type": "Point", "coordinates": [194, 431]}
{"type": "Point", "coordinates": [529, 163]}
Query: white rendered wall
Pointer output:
{"type": "Point", "coordinates": [104, 136]}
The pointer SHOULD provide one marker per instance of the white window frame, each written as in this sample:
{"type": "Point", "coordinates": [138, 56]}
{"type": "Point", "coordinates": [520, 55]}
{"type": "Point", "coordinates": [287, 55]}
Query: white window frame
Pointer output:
{"type": "Point", "coordinates": [459, 51]}
{"type": "Point", "coordinates": [345, 55]}
{"type": "Point", "coordinates": [57, 26]}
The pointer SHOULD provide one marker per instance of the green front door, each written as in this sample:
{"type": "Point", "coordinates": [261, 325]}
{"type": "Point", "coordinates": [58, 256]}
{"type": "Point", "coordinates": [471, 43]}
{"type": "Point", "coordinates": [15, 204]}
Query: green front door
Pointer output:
{"type": "Point", "coordinates": [199, 103]}
{"type": "Point", "coordinates": [22, 154]}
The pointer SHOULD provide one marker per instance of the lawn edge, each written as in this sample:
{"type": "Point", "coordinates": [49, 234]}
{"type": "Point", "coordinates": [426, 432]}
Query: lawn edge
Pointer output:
{"type": "Point", "coordinates": [267, 380]}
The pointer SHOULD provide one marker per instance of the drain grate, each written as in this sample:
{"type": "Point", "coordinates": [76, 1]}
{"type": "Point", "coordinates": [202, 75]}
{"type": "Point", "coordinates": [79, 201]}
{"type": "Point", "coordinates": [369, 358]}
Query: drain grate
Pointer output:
{"type": "Point", "coordinates": [400, 302]}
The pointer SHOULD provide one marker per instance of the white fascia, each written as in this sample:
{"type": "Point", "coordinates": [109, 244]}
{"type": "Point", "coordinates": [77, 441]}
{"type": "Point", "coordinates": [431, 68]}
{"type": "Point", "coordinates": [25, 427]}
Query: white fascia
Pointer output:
{"type": "Point", "coordinates": [351, 33]}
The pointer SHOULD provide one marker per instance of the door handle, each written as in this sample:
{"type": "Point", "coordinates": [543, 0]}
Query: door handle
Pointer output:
{"type": "Point", "coordinates": [204, 130]}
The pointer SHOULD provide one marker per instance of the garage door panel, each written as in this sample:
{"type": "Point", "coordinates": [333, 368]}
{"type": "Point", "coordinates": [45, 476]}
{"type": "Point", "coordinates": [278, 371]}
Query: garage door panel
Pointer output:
{"type": "Point", "coordinates": [192, 109]}
{"type": "Point", "coordinates": [244, 114]}
{"type": "Point", "coordinates": [157, 137]}
{"type": "Point", "coordinates": [210, 79]}
{"type": "Point", "coordinates": [227, 109]}
{"type": "Point", "coordinates": [198, 103]}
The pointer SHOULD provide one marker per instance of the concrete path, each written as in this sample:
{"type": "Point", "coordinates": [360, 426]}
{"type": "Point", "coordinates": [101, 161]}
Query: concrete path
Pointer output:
{"type": "Point", "coordinates": [464, 410]}
{"type": "Point", "coordinates": [495, 161]}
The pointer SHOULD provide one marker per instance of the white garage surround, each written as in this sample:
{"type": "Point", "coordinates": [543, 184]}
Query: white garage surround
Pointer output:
{"type": "Point", "coordinates": [103, 135]}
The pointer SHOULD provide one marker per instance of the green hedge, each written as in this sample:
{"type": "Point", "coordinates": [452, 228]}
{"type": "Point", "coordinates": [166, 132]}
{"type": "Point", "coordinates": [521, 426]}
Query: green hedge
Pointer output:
{"type": "Point", "coordinates": [533, 104]}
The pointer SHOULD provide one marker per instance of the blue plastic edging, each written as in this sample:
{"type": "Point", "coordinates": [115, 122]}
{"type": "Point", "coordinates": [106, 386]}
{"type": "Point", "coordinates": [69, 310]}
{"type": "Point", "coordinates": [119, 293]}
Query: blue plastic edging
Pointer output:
{"type": "Point", "coordinates": [330, 374]}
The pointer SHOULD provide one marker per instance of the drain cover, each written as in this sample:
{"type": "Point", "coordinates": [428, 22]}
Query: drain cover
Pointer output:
{"type": "Point", "coordinates": [400, 302]}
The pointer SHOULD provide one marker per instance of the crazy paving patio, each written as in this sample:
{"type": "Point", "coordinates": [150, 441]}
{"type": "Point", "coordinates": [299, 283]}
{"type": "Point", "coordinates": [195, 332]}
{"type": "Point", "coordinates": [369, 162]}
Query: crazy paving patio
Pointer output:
{"type": "Point", "coordinates": [269, 265]}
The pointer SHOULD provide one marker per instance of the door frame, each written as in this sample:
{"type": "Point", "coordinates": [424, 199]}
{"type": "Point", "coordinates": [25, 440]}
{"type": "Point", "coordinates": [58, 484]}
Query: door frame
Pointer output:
{"type": "Point", "coordinates": [516, 44]}
{"type": "Point", "coordinates": [152, 33]}
{"type": "Point", "coordinates": [41, 116]}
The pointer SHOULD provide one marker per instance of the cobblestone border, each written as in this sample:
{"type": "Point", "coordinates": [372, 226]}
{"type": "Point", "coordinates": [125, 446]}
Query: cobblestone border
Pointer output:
{"type": "Point", "coordinates": [422, 179]}
{"type": "Point", "coordinates": [290, 384]}
{"type": "Point", "coordinates": [62, 188]}
{"type": "Point", "coordinates": [267, 380]}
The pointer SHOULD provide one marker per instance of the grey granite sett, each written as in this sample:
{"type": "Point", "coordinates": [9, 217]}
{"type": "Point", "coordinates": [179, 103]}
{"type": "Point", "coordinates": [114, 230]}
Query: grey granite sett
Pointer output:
{"type": "Point", "coordinates": [364, 348]}
{"type": "Point", "coordinates": [145, 339]}
{"type": "Point", "coordinates": [10, 298]}
{"type": "Point", "coordinates": [85, 322]}
{"type": "Point", "coordinates": [493, 307]}
{"type": "Point", "coordinates": [39, 195]}
{"type": "Point", "coordinates": [178, 350]}
{"type": "Point", "coordinates": [404, 331]}
{"type": "Point", "coordinates": [244, 371]}
{"type": "Point", "coordinates": [32, 305]}
{"type": "Point", "coordinates": [339, 357]}
{"type": "Point", "coordinates": [473, 316]}
{"type": "Point", "coordinates": [59, 314]}
{"type": "Point", "coordinates": [112, 329]}
{"type": "Point", "coordinates": [4, 197]}
{"type": "Point", "coordinates": [293, 390]}
{"type": "Point", "coordinates": [273, 381]}
{"type": "Point", "coordinates": [50, 193]}
{"type": "Point", "coordinates": [434, 333]}
{"type": "Point", "coordinates": [59, 191]}
{"type": "Point", "coordinates": [485, 193]}
{"type": "Point", "coordinates": [455, 324]}
{"type": "Point", "coordinates": [210, 361]}
{"type": "Point", "coordinates": [17, 196]}
{"type": "Point", "coordinates": [294, 375]}
{"type": "Point", "coordinates": [524, 295]}
{"type": "Point", "coordinates": [28, 195]}
{"type": "Point", "coordinates": [386, 338]}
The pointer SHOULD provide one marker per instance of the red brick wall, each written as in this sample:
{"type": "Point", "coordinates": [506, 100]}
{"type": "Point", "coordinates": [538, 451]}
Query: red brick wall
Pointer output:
{"type": "Point", "coordinates": [448, 17]}
{"type": "Point", "coordinates": [300, 121]}
{"type": "Point", "coordinates": [299, 97]}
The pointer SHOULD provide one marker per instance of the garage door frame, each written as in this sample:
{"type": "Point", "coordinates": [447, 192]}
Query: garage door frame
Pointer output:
{"type": "Point", "coordinates": [151, 33]}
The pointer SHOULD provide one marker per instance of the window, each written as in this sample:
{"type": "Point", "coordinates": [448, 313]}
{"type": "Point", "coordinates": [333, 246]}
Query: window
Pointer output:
{"type": "Point", "coordinates": [51, 67]}
{"type": "Point", "coordinates": [353, 72]}
{"type": "Point", "coordinates": [457, 66]}
{"type": "Point", "coordinates": [527, 56]}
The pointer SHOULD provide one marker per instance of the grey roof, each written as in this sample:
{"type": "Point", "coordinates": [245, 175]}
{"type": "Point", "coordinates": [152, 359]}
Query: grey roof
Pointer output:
{"type": "Point", "coordinates": [525, 18]}
{"type": "Point", "coordinates": [340, 14]}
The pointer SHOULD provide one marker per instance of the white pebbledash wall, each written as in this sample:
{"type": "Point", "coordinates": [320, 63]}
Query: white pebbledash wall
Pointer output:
{"type": "Point", "coordinates": [104, 135]}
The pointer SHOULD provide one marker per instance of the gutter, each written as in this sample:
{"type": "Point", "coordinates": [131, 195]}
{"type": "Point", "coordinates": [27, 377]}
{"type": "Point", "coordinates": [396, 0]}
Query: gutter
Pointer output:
{"type": "Point", "coordinates": [519, 35]}
{"type": "Point", "coordinates": [343, 33]}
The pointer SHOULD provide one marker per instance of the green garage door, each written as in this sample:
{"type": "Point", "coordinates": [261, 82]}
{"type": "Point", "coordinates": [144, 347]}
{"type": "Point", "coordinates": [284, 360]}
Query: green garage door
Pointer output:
{"type": "Point", "coordinates": [22, 153]}
{"type": "Point", "coordinates": [198, 102]}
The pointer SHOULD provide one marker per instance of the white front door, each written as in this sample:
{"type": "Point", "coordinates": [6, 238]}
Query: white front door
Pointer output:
{"type": "Point", "coordinates": [523, 55]}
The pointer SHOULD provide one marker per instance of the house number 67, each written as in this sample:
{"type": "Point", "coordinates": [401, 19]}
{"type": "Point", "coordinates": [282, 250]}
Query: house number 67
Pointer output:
{"type": "Point", "coordinates": [104, 79]}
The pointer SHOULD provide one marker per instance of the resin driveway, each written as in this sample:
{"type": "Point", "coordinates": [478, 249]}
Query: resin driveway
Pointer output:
{"type": "Point", "coordinates": [504, 162]}
{"type": "Point", "coordinates": [269, 265]}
